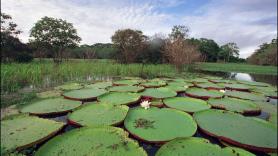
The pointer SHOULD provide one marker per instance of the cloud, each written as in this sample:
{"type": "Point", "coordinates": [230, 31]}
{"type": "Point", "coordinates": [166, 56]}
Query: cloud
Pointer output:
{"type": "Point", "coordinates": [95, 21]}
{"type": "Point", "coordinates": [248, 23]}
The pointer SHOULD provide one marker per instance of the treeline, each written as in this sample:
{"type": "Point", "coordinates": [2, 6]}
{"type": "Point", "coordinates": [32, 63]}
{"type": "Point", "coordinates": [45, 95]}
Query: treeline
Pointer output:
{"type": "Point", "coordinates": [266, 54]}
{"type": "Point", "coordinates": [58, 39]}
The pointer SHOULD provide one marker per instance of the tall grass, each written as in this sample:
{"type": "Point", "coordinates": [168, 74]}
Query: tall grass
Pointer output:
{"type": "Point", "coordinates": [16, 75]}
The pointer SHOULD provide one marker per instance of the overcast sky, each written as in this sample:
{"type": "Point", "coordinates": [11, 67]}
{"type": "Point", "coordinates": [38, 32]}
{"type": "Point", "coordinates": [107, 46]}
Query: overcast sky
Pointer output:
{"type": "Point", "coordinates": [248, 23]}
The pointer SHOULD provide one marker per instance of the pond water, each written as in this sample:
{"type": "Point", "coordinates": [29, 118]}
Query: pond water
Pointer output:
{"type": "Point", "coordinates": [271, 79]}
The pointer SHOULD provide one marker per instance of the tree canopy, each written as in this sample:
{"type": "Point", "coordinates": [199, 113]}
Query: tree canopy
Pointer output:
{"type": "Point", "coordinates": [266, 54]}
{"type": "Point", "coordinates": [54, 34]}
{"type": "Point", "coordinates": [129, 43]}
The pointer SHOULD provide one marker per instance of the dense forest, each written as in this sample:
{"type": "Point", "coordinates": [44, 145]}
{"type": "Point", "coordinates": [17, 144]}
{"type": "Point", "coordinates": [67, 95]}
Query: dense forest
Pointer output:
{"type": "Point", "coordinates": [127, 45]}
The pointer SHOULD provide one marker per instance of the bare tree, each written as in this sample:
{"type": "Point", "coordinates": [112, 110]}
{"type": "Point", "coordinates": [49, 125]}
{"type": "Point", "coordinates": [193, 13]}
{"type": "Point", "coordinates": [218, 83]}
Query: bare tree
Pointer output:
{"type": "Point", "coordinates": [181, 52]}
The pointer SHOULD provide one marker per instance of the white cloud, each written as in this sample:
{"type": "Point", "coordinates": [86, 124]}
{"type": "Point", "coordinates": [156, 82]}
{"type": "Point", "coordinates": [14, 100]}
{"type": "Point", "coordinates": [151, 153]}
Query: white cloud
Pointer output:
{"type": "Point", "coordinates": [95, 22]}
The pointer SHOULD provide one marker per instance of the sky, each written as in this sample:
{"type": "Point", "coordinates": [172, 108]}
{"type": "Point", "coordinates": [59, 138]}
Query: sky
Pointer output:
{"type": "Point", "coordinates": [248, 23]}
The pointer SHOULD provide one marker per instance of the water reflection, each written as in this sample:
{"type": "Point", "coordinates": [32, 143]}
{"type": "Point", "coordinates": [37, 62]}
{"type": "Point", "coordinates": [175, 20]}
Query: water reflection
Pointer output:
{"type": "Point", "coordinates": [270, 79]}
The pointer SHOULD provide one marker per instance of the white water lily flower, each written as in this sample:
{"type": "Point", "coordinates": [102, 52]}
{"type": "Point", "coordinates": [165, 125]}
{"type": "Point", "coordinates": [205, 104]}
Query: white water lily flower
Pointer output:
{"type": "Point", "coordinates": [222, 91]}
{"type": "Point", "coordinates": [145, 104]}
{"type": "Point", "coordinates": [185, 87]}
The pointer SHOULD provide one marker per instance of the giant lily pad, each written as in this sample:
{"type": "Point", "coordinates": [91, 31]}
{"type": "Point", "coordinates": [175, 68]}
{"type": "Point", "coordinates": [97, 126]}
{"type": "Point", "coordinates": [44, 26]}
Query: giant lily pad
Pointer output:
{"type": "Point", "coordinates": [267, 91]}
{"type": "Point", "coordinates": [238, 130]}
{"type": "Point", "coordinates": [92, 141]}
{"type": "Point", "coordinates": [153, 83]}
{"type": "Point", "coordinates": [235, 86]}
{"type": "Point", "coordinates": [158, 93]}
{"type": "Point", "coordinates": [209, 85]}
{"type": "Point", "coordinates": [245, 95]}
{"type": "Point", "coordinates": [181, 84]}
{"type": "Point", "coordinates": [50, 106]}
{"type": "Point", "coordinates": [84, 94]}
{"type": "Point", "coordinates": [254, 83]}
{"type": "Point", "coordinates": [126, 88]}
{"type": "Point", "coordinates": [50, 93]}
{"type": "Point", "coordinates": [100, 85]}
{"type": "Point", "coordinates": [196, 147]}
{"type": "Point", "coordinates": [221, 81]}
{"type": "Point", "coordinates": [23, 131]}
{"type": "Point", "coordinates": [235, 105]}
{"type": "Point", "coordinates": [199, 80]}
{"type": "Point", "coordinates": [98, 114]}
{"type": "Point", "coordinates": [186, 104]}
{"type": "Point", "coordinates": [273, 119]}
{"type": "Point", "coordinates": [157, 103]}
{"type": "Point", "coordinates": [266, 107]}
{"type": "Point", "coordinates": [238, 151]}
{"type": "Point", "coordinates": [177, 89]}
{"type": "Point", "coordinates": [203, 93]}
{"type": "Point", "coordinates": [126, 82]}
{"type": "Point", "coordinates": [69, 86]}
{"type": "Point", "coordinates": [118, 98]}
{"type": "Point", "coordinates": [159, 125]}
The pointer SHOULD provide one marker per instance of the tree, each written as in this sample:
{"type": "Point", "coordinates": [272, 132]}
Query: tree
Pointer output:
{"type": "Point", "coordinates": [129, 43]}
{"type": "Point", "coordinates": [54, 34]}
{"type": "Point", "coordinates": [209, 48]}
{"type": "Point", "coordinates": [12, 49]}
{"type": "Point", "coordinates": [228, 50]}
{"type": "Point", "coordinates": [179, 31]}
{"type": "Point", "coordinates": [180, 51]}
{"type": "Point", "coordinates": [266, 54]}
{"type": "Point", "coordinates": [153, 53]}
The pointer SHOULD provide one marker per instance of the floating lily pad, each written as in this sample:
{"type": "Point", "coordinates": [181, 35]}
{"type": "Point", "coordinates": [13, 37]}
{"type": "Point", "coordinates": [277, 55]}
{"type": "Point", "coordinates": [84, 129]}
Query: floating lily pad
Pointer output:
{"type": "Point", "coordinates": [100, 85]}
{"type": "Point", "coordinates": [238, 130]}
{"type": "Point", "coordinates": [266, 107]}
{"type": "Point", "coordinates": [177, 89]}
{"type": "Point", "coordinates": [98, 114]}
{"type": "Point", "coordinates": [254, 83]}
{"type": "Point", "coordinates": [199, 80]}
{"type": "Point", "coordinates": [238, 151]}
{"type": "Point", "coordinates": [221, 81]}
{"type": "Point", "coordinates": [126, 88]}
{"type": "Point", "coordinates": [235, 105]}
{"type": "Point", "coordinates": [118, 98]}
{"type": "Point", "coordinates": [92, 141]}
{"type": "Point", "coordinates": [157, 103]}
{"type": "Point", "coordinates": [50, 106]}
{"type": "Point", "coordinates": [213, 78]}
{"type": "Point", "coordinates": [245, 95]}
{"type": "Point", "coordinates": [235, 86]}
{"type": "Point", "coordinates": [203, 93]}
{"type": "Point", "coordinates": [158, 125]}
{"type": "Point", "coordinates": [195, 147]}
{"type": "Point", "coordinates": [273, 119]}
{"type": "Point", "coordinates": [126, 82]}
{"type": "Point", "coordinates": [84, 94]}
{"type": "Point", "coordinates": [181, 84]}
{"type": "Point", "coordinates": [69, 86]}
{"type": "Point", "coordinates": [50, 93]}
{"type": "Point", "coordinates": [158, 93]}
{"type": "Point", "coordinates": [267, 91]}
{"type": "Point", "coordinates": [153, 84]}
{"type": "Point", "coordinates": [209, 85]}
{"type": "Point", "coordinates": [23, 131]}
{"type": "Point", "coordinates": [186, 104]}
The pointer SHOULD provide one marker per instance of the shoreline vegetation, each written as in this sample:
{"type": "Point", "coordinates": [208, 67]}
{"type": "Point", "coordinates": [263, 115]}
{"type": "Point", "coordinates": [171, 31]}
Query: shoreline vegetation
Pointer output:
{"type": "Point", "coordinates": [18, 75]}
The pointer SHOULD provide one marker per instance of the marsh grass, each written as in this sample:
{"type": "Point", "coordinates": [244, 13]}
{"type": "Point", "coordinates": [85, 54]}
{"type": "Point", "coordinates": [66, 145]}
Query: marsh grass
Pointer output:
{"type": "Point", "coordinates": [16, 75]}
